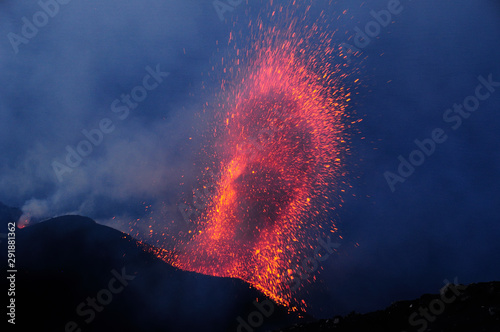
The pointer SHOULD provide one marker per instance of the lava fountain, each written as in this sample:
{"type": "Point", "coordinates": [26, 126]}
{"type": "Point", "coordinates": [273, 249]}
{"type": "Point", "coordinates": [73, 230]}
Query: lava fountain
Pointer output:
{"type": "Point", "coordinates": [277, 161]}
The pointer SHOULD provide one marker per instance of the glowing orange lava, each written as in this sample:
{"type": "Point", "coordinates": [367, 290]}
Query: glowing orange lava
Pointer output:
{"type": "Point", "coordinates": [278, 153]}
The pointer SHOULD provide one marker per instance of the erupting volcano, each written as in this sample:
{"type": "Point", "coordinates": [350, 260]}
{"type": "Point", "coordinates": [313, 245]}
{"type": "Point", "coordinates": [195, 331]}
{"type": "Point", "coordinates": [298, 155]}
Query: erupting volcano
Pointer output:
{"type": "Point", "coordinates": [276, 164]}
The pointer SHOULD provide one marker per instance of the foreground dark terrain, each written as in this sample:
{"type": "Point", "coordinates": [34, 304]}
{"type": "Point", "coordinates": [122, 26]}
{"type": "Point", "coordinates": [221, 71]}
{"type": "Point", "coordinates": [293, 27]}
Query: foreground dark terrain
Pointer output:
{"type": "Point", "coordinates": [76, 275]}
{"type": "Point", "coordinates": [471, 308]}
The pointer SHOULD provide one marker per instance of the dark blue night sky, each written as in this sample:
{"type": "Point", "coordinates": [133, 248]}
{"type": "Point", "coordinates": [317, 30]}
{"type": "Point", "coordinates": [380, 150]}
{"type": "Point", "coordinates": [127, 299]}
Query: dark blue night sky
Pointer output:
{"type": "Point", "coordinates": [442, 222]}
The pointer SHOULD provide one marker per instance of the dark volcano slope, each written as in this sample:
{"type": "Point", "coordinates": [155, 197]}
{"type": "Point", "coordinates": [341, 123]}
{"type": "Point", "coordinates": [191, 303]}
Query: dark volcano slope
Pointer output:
{"type": "Point", "coordinates": [458, 308]}
{"type": "Point", "coordinates": [76, 275]}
